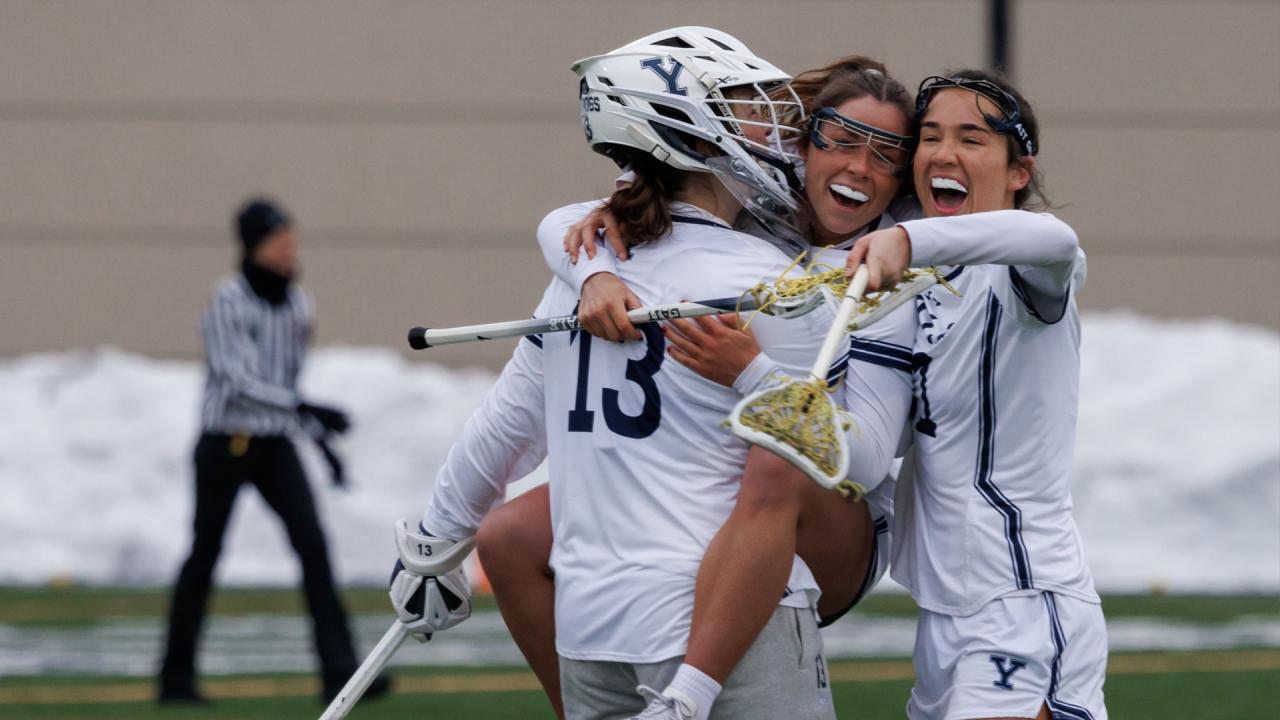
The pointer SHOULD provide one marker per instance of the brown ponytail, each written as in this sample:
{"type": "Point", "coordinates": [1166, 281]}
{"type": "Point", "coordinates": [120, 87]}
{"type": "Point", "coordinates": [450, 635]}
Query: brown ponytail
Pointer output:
{"type": "Point", "coordinates": [643, 208]}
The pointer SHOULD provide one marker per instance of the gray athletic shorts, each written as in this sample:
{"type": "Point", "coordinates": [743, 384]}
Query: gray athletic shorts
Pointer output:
{"type": "Point", "coordinates": [783, 675]}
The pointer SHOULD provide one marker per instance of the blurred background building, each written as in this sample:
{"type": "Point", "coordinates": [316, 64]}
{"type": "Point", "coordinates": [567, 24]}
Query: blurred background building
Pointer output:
{"type": "Point", "coordinates": [419, 144]}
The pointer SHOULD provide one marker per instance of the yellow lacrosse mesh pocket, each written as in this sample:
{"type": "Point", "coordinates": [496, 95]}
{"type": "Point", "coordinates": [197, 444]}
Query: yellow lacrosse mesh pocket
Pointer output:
{"type": "Point", "coordinates": [790, 296]}
{"type": "Point", "coordinates": [800, 422]}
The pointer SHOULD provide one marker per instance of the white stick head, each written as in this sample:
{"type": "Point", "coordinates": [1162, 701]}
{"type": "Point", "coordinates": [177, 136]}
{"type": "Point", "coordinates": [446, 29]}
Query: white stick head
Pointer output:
{"type": "Point", "coordinates": [800, 423]}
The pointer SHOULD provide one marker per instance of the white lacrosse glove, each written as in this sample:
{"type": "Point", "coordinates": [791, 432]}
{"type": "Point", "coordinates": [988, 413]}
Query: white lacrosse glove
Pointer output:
{"type": "Point", "coordinates": [428, 603]}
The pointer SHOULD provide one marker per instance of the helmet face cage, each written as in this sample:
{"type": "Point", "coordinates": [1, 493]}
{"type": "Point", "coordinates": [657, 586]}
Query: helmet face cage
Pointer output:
{"type": "Point", "coordinates": [696, 99]}
{"type": "Point", "coordinates": [1010, 120]}
{"type": "Point", "coordinates": [763, 109]}
{"type": "Point", "coordinates": [858, 134]}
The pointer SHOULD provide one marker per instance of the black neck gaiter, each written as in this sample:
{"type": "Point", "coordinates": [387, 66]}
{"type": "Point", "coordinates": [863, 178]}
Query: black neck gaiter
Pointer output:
{"type": "Point", "coordinates": [268, 285]}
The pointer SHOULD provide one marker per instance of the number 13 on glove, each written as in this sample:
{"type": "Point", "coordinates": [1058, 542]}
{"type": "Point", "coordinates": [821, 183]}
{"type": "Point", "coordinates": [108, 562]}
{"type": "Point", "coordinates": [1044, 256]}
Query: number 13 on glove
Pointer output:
{"type": "Point", "coordinates": [429, 589]}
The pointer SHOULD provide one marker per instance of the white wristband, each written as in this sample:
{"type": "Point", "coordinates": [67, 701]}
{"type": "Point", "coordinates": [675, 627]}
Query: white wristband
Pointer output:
{"type": "Point", "coordinates": [758, 372]}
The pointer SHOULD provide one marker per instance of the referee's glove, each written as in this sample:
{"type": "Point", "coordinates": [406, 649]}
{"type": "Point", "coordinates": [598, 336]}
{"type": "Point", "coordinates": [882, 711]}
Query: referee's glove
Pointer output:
{"type": "Point", "coordinates": [338, 473]}
{"type": "Point", "coordinates": [331, 419]}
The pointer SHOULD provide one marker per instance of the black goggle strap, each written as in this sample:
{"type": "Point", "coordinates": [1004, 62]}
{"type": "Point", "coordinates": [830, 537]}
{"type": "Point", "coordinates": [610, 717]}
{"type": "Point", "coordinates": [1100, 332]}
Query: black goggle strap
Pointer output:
{"type": "Point", "coordinates": [783, 166]}
{"type": "Point", "coordinates": [829, 114]}
{"type": "Point", "coordinates": [1010, 122]}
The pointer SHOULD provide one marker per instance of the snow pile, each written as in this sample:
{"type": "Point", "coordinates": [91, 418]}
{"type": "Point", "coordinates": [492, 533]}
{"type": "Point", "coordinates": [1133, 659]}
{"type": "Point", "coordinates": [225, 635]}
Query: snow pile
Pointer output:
{"type": "Point", "coordinates": [1177, 463]}
{"type": "Point", "coordinates": [1178, 454]}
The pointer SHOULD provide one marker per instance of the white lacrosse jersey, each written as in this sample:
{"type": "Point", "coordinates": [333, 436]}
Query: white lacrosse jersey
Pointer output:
{"type": "Point", "coordinates": [983, 508]}
{"type": "Point", "coordinates": [643, 472]}
{"type": "Point", "coordinates": [877, 391]}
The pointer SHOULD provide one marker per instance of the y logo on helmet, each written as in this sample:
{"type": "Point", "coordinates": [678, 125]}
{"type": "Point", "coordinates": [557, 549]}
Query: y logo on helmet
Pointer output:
{"type": "Point", "coordinates": [672, 77]}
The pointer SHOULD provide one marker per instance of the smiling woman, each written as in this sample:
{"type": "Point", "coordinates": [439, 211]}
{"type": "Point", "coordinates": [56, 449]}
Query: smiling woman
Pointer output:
{"type": "Point", "coordinates": [960, 139]}
{"type": "Point", "coordinates": [1009, 625]}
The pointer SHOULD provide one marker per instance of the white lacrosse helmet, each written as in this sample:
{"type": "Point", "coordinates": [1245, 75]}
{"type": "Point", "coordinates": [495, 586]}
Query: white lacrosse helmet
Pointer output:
{"type": "Point", "coordinates": [664, 91]}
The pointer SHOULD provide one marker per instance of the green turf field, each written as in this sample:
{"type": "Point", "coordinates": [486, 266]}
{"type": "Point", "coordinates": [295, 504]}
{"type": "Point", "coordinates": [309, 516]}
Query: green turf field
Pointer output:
{"type": "Point", "coordinates": [75, 604]}
{"type": "Point", "coordinates": [1142, 687]}
{"type": "Point", "coordinates": [1223, 684]}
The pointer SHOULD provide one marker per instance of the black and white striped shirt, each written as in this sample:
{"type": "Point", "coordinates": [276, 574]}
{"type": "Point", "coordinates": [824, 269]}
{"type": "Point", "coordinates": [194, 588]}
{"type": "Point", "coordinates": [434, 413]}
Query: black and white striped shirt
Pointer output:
{"type": "Point", "coordinates": [253, 352]}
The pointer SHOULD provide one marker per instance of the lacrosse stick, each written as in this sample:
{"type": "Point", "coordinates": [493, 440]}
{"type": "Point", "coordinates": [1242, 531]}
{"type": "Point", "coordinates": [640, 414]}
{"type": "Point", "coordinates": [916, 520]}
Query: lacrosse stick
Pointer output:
{"type": "Point", "coordinates": [784, 298]}
{"type": "Point", "coordinates": [762, 298]}
{"type": "Point", "coordinates": [799, 421]}
{"type": "Point", "coordinates": [423, 555]}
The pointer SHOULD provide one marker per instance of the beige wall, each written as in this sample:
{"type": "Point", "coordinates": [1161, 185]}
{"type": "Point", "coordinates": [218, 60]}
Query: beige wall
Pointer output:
{"type": "Point", "coordinates": [419, 143]}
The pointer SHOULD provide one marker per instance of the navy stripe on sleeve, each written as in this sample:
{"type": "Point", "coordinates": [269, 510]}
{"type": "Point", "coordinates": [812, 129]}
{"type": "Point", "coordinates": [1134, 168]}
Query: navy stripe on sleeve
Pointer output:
{"type": "Point", "coordinates": [881, 353]}
{"type": "Point", "coordinates": [1020, 289]}
{"type": "Point", "coordinates": [837, 371]}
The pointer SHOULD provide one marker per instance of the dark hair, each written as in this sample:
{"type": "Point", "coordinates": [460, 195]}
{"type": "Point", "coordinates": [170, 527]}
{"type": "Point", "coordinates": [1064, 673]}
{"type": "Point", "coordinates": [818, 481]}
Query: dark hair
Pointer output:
{"type": "Point", "coordinates": [643, 208]}
{"type": "Point", "coordinates": [1031, 196]}
{"type": "Point", "coordinates": [849, 78]}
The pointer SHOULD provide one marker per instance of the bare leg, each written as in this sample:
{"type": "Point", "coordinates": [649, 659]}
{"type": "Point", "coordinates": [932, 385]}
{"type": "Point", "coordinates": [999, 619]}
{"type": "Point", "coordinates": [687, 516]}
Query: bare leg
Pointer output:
{"type": "Point", "coordinates": [514, 543]}
{"type": "Point", "coordinates": [834, 539]}
{"type": "Point", "coordinates": [744, 572]}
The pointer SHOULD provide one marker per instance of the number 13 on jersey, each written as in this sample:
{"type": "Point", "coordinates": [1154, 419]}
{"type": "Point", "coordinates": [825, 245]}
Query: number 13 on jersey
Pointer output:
{"type": "Point", "coordinates": [639, 371]}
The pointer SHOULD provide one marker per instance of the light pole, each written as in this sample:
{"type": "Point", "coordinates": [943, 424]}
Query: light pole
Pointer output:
{"type": "Point", "coordinates": [1001, 52]}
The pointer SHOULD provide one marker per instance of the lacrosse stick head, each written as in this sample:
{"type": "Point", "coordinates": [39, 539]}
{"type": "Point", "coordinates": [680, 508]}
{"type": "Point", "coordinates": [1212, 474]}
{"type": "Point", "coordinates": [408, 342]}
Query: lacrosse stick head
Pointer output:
{"type": "Point", "coordinates": [799, 422]}
{"type": "Point", "coordinates": [791, 297]}
{"type": "Point", "coordinates": [789, 305]}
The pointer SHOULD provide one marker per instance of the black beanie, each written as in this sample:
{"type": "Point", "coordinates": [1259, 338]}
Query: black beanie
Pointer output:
{"type": "Point", "coordinates": [257, 220]}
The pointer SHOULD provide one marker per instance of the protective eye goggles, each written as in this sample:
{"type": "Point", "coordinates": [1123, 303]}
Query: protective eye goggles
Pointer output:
{"type": "Point", "coordinates": [830, 131]}
{"type": "Point", "coordinates": [1010, 120]}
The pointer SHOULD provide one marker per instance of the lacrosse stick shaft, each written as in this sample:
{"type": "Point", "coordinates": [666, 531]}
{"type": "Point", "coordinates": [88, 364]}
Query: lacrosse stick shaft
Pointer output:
{"type": "Point", "coordinates": [840, 327]}
{"type": "Point", "coordinates": [421, 338]}
{"type": "Point", "coordinates": [368, 670]}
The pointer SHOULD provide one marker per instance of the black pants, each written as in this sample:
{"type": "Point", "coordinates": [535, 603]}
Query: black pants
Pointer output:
{"type": "Point", "coordinates": [271, 464]}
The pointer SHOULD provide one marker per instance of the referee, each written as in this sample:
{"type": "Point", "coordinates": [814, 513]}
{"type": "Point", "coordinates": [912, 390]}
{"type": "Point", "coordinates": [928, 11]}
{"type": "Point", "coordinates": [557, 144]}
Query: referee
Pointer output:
{"type": "Point", "coordinates": [256, 330]}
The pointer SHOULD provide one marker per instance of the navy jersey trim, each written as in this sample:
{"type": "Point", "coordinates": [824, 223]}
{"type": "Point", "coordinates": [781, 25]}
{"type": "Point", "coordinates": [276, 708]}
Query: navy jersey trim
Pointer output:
{"type": "Point", "coordinates": [1059, 708]}
{"type": "Point", "coordinates": [1020, 289]}
{"type": "Point", "coordinates": [954, 274]}
{"type": "Point", "coordinates": [876, 352]}
{"type": "Point", "coordinates": [1012, 516]}
{"type": "Point", "coordinates": [881, 527]}
{"type": "Point", "coordinates": [881, 353]}
{"type": "Point", "coordinates": [699, 221]}
{"type": "Point", "coordinates": [837, 371]}
{"type": "Point", "coordinates": [536, 339]}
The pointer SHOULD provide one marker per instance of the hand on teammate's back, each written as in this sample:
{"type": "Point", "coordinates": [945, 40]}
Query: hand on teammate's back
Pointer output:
{"type": "Point", "coordinates": [602, 310]}
{"type": "Point", "coordinates": [717, 348]}
{"type": "Point", "coordinates": [584, 234]}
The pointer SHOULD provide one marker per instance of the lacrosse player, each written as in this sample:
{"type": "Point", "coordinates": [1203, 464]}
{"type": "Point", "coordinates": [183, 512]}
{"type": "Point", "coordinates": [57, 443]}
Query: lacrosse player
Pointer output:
{"type": "Point", "coordinates": [642, 476]}
{"type": "Point", "coordinates": [856, 151]}
{"type": "Point", "coordinates": [1009, 625]}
